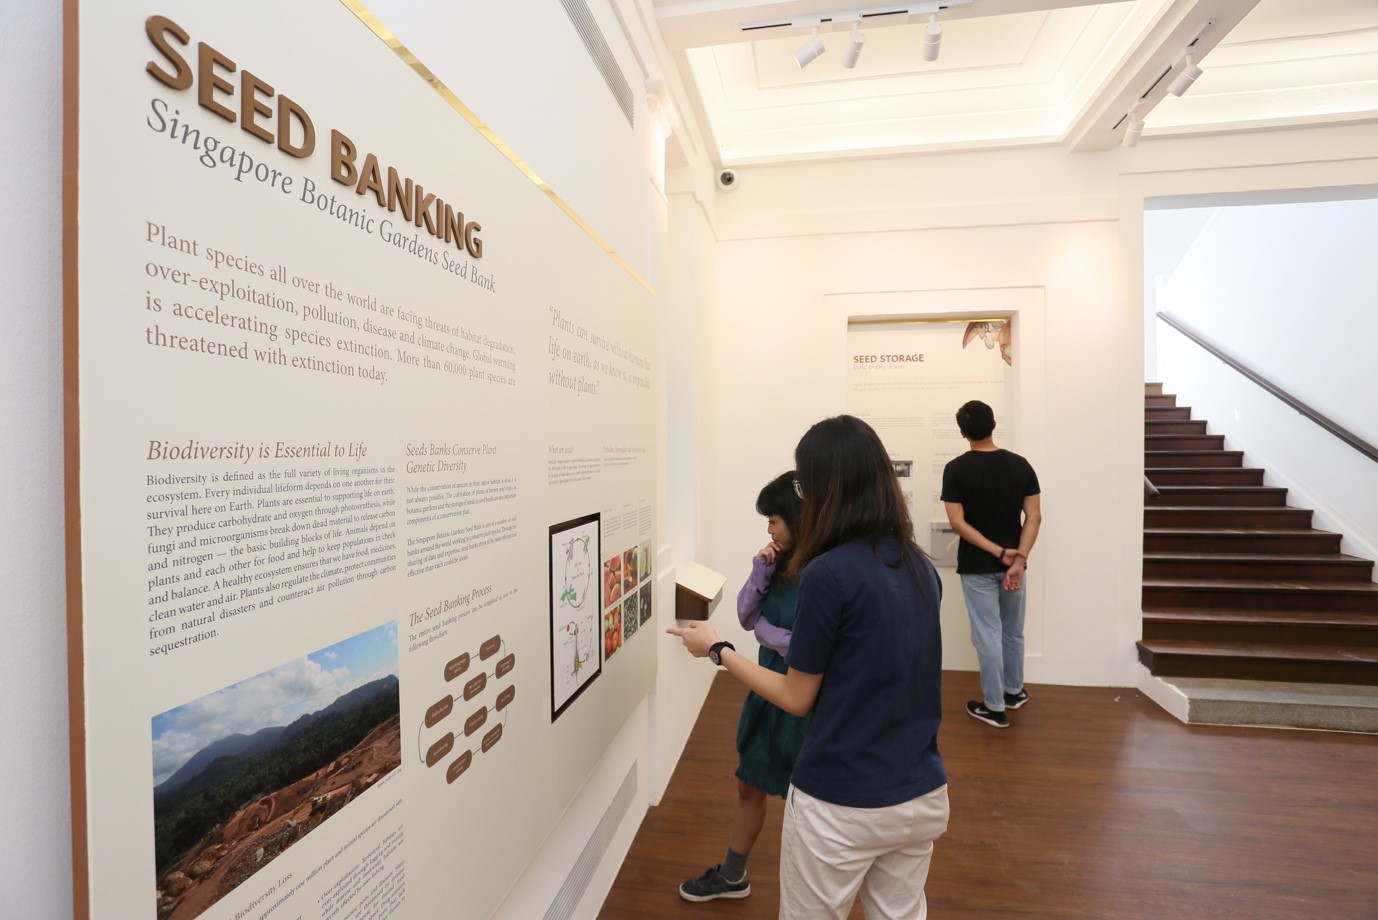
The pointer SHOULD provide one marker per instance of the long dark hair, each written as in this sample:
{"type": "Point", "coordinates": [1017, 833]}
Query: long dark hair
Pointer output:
{"type": "Point", "coordinates": [850, 493]}
{"type": "Point", "coordinates": [779, 498]}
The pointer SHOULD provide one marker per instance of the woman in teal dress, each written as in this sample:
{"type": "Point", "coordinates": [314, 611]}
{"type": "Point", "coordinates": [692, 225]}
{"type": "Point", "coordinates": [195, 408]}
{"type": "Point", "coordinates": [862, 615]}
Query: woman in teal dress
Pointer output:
{"type": "Point", "coordinates": [768, 738]}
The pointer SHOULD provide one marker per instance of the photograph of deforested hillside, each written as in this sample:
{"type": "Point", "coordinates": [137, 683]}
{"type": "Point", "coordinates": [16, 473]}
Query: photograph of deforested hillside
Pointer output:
{"type": "Point", "coordinates": [243, 773]}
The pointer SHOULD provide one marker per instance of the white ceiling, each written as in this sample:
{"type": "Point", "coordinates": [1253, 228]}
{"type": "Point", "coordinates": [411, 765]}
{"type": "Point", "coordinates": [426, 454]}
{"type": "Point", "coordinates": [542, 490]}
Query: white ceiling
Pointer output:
{"type": "Point", "coordinates": [1013, 72]}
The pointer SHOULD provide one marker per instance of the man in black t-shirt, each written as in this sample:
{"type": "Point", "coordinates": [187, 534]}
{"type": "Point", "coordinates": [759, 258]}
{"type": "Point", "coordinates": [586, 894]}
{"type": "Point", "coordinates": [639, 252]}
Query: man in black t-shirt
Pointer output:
{"type": "Point", "coordinates": [993, 504]}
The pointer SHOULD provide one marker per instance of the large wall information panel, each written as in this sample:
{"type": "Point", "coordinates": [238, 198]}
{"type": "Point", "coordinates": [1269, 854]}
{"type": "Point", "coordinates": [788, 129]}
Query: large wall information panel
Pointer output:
{"type": "Point", "coordinates": [361, 473]}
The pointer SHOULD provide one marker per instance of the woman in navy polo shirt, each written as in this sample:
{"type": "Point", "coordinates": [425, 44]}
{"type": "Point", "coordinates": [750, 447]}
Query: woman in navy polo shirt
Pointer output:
{"type": "Point", "coordinates": [869, 792]}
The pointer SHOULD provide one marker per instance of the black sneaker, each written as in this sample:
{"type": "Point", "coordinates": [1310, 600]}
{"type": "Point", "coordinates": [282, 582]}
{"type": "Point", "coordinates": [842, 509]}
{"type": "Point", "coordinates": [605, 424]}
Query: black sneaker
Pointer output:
{"type": "Point", "coordinates": [712, 885]}
{"type": "Point", "coordinates": [1015, 700]}
{"type": "Point", "coordinates": [977, 710]}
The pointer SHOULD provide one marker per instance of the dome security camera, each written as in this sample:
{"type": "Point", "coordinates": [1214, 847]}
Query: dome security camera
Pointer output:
{"type": "Point", "coordinates": [727, 180]}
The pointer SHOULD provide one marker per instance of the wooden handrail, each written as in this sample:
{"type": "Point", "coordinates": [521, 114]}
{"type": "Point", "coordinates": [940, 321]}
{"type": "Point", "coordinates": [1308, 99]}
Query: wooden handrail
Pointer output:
{"type": "Point", "coordinates": [1344, 434]}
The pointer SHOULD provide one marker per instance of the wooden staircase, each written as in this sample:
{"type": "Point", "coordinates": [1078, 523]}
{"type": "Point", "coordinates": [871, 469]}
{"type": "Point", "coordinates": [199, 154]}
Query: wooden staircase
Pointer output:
{"type": "Point", "coordinates": [1236, 583]}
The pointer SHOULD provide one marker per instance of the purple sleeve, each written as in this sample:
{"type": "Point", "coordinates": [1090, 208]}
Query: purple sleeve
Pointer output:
{"type": "Point", "coordinates": [775, 638]}
{"type": "Point", "coordinates": [749, 614]}
{"type": "Point", "coordinates": [753, 593]}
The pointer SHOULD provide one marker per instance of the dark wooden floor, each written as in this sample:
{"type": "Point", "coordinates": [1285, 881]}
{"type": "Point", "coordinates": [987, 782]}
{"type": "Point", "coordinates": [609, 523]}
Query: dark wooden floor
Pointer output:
{"type": "Point", "coordinates": [1094, 804]}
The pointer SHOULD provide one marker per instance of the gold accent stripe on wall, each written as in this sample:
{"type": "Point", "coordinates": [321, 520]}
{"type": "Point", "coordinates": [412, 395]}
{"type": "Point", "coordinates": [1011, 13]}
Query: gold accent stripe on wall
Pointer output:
{"type": "Point", "coordinates": [378, 29]}
{"type": "Point", "coordinates": [71, 449]}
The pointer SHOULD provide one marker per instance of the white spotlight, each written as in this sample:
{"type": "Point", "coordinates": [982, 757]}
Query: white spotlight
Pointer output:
{"type": "Point", "coordinates": [855, 42]}
{"type": "Point", "coordinates": [932, 39]}
{"type": "Point", "coordinates": [810, 52]}
{"type": "Point", "coordinates": [1185, 79]}
{"type": "Point", "coordinates": [1133, 132]}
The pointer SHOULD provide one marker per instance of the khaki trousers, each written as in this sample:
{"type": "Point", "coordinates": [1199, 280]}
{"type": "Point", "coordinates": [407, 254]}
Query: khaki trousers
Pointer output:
{"type": "Point", "coordinates": [829, 853]}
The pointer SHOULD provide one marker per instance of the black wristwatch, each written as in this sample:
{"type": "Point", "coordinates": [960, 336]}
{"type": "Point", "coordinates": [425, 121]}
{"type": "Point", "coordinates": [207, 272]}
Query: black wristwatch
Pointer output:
{"type": "Point", "coordinates": [715, 651]}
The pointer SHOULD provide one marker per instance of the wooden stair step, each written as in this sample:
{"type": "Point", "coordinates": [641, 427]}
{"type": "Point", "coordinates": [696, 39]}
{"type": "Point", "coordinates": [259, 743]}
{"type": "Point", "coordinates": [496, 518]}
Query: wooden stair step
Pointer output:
{"type": "Point", "coordinates": [1205, 475]}
{"type": "Point", "coordinates": [1275, 595]}
{"type": "Point", "coordinates": [1292, 541]}
{"type": "Point", "coordinates": [1174, 426]}
{"type": "Point", "coordinates": [1263, 626]}
{"type": "Point", "coordinates": [1196, 458]}
{"type": "Point", "coordinates": [1310, 663]}
{"type": "Point", "coordinates": [1206, 516]}
{"type": "Point", "coordinates": [1184, 442]}
{"type": "Point", "coordinates": [1259, 616]}
{"type": "Point", "coordinates": [1167, 412]}
{"type": "Point", "coordinates": [1234, 496]}
{"type": "Point", "coordinates": [1270, 650]}
{"type": "Point", "coordinates": [1159, 399]}
{"type": "Point", "coordinates": [1272, 567]}
{"type": "Point", "coordinates": [1153, 388]}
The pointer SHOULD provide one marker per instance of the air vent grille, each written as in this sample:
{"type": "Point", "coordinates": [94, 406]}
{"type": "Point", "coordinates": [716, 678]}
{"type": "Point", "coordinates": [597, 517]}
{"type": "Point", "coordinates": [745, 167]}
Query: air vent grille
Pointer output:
{"type": "Point", "coordinates": [602, 57]}
{"type": "Point", "coordinates": [562, 908]}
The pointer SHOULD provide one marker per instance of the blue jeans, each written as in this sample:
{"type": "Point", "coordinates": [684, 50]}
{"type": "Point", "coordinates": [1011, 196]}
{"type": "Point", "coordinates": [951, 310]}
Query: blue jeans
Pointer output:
{"type": "Point", "coordinates": [997, 631]}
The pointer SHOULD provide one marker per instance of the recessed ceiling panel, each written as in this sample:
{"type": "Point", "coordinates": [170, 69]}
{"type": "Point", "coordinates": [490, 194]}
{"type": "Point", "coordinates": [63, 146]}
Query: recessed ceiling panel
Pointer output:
{"type": "Point", "coordinates": [1009, 79]}
{"type": "Point", "coordinates": [896, 50]}
{"type": "Point", "coordinates": [1018, 72]}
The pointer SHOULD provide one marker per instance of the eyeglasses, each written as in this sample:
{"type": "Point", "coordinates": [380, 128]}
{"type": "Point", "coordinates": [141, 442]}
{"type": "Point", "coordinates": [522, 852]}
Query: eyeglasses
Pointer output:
{"type": "Point", "coordinates": [798, 489]}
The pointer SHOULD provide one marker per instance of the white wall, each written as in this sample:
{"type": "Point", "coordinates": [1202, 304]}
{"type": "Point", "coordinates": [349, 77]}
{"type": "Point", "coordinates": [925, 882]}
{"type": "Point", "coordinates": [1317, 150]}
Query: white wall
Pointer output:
{"type": "Point", "coordinates": [1289, 290]}
{"type": "Point", "coordinates": [35, 851]}
{"type": "Point", "coordinates": [524, 72]}
{"type": "Point", "coordinates": [1169, 234]}
{"type": "Point", "coordinates": [782, 310]}
{"type": "Point", "coordinates": [683, 681]}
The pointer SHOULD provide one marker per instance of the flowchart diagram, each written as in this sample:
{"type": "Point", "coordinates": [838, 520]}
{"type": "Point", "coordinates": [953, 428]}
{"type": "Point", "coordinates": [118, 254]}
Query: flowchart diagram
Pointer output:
{"type": "Point", "coordinates": [476, 685]}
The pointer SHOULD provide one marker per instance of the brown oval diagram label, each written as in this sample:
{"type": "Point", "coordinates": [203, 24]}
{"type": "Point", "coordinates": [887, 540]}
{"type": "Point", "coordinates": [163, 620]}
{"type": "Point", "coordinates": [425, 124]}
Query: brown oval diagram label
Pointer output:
{"type": "Point", "coordinates": [475, 686]}
{"type": "Point", "coordinates": [456, 666]}
{"type": "Point", "coordinates": [475, 721]}
{"type": "Point", "coordinates": [440, 749]}
{"type": "Point", "coordinates": [506, 665]}
{"type": "Point", "coordinates": [439, 710]}
{"type": "Point", "coordinates": [506, 696]}
{"type": "Point", "coordinates": [492, 738]}
{"type": "Point", "coordinates": [457, 768]}
{"type": "Point", "coordinates": [490, 648]}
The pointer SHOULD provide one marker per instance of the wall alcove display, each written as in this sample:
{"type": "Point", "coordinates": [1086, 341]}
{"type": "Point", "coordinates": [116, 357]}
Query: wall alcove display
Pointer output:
{"type": "Point", "coordinates": [907, 378]}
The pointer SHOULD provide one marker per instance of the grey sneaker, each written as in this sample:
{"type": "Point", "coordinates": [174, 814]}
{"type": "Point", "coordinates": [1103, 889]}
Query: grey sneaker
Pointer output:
{"type": "Point", "coordinates": [712, 885]}
{"type": "Point", "coordinates": [977, 710]}
{"type": "Point", "coordinates": [1015, 700]}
